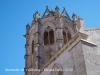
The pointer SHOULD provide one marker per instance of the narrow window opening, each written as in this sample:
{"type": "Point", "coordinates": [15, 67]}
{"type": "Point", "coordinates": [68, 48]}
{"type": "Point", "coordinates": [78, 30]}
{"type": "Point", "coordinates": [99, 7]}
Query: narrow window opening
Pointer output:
{"type": "Point", "coordinates": [69, 36]}
{"type": "Point", "coordinates": [64, 38]}
{"type": "Point", "coordinates": [51, 35]}
{"type": "Point", "coordinates": [32, 46]}
{"type": "Point", "coordinates": [46, 38]}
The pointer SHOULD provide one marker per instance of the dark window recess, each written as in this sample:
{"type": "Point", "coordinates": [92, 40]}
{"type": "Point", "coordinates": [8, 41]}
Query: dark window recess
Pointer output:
{"type": "Point", "coordinates": [69, 36]}
{"type": "Point", "coordinates": [46, 38]}
{"type": "Point", "coordinates": [32, 46]}
{"type": "Point", "coordinates": [64, 37]}
{"type": "Point", "coordinates": [51, 35]}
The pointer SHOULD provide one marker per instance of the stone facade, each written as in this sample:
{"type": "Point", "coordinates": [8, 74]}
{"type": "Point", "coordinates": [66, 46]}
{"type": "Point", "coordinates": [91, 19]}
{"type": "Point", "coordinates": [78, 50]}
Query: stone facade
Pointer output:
{"type": "Point", "coordinates": [57, 45]}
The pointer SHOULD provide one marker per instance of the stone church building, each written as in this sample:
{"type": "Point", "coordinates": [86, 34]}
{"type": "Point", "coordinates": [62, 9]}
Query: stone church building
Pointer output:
{"type": "Point", "coordinates": [59, 45]}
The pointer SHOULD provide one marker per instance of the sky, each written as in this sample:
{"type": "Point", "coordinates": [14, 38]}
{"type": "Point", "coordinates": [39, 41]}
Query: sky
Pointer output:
{"type": "Point", "coordinates": [15, 14]}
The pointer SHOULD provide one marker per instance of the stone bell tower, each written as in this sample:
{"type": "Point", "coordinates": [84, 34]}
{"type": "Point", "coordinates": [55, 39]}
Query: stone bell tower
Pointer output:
{"type": "Point", "coordinates": [48, 37]}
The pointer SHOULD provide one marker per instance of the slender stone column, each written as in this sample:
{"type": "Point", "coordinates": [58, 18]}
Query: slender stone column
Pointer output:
{"type": "Point", "coordinates": [59, 37]}
{"type": "Point", "coordinates": [28, 55]}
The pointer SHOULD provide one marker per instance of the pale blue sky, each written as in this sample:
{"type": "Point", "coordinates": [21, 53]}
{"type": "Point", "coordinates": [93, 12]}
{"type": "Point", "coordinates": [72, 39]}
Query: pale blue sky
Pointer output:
{"type": "Point", "coordinates": [15, 14]}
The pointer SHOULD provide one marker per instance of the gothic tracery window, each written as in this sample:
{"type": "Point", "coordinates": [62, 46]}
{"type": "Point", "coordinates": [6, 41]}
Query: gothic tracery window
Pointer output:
{"type": "Point", "coordinates": [48, 36]}
{"type": "Point", "coordinates": [66, 36]}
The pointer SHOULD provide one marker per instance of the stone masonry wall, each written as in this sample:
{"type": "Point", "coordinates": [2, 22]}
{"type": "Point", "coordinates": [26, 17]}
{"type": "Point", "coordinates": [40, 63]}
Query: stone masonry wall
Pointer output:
{"type": "Point", "coordinates": [94, 36]}
{"type": "Point", "coordinates": [92, 59]}
{"type": "Point", "coordinates": [72, 59]}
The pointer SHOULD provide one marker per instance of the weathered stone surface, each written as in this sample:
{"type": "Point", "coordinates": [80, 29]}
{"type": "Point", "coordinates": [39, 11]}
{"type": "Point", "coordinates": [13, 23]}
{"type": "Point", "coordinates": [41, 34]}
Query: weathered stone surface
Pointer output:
{"type": "Point", "coordinates": [78, 56]}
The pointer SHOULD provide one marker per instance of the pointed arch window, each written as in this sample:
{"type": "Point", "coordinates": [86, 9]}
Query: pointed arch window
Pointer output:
{"type": "Point", "coordinates": [66, 37]}
{"type": "Point", "coordinates": [48, 36]}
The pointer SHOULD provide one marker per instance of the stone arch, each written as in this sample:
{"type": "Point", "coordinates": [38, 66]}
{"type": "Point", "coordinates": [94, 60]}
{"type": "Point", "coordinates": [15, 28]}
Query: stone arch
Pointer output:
{"type": "Point", "coordinates": [43, 30]}
{"type": "Point", "coordinates": [70, 29]}
{"type": "Point", "coordinates": [57, 69]}
{"type": "Point", "coordinates": [48, 36]}
{"type": "Point", "coordinates": [48, 49]}
{"type": "Point", "coordinates": [66, 35]}
{"type": "Point", "coordinates": [45, 25]}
